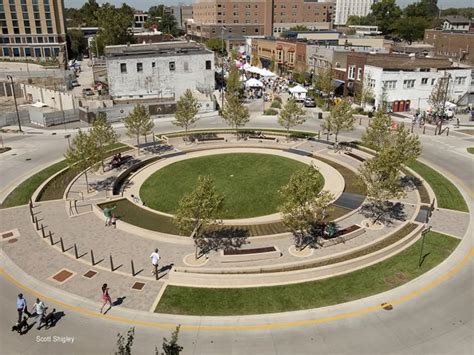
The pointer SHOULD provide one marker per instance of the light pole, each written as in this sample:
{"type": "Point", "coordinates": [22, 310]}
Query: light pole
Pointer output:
{"type": "Point", "coordinates": [9, 77]}
{"type": "Point", "coordinates": [223, 28]}
{"type": "Point", "coordinates": [444, 105]}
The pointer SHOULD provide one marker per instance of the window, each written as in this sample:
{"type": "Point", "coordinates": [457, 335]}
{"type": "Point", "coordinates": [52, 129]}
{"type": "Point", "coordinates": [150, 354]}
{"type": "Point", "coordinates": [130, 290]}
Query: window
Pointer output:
{"type": "Point", "coordinates": [371, 83]}
{"type": "Point", "coordinates": [123, 68]}
{"type": "Point", "coordinates": [37, 52]}
{"type": "Point", "coordinates": [433, 81]}
{"type": "Point", "coordinates": [27, 52]}
{"type": "Point", "coordinates": [208, 65]}
{"type": "Point", "coordinates": [351, 74]}
{"type": "Point", "coordinates": [390, 84]}
{"type": "Point", "coordinates": [408, 84]}
{"type": "Point", "coordinates": [460, 80]}
{"type": "Point", "coordinates": [172, 66]}
{"type": "Point", "coordinates": [153, 64]}
{"type": "Point", "coordinates": [47, 52]}
{"type": "Point", "coordinates": [359, 74]}
{"type": "Point", "coordinates": [139, 67]}
{"type": "Point", "coordinates": [186, 66]}
{"type": "Point", "coordinates": [424, 81]}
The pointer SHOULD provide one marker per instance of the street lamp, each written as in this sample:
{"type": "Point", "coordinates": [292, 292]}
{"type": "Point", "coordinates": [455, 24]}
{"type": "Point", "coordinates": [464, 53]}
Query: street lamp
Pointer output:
{"type": "Point", "coordinates": [9, 77]}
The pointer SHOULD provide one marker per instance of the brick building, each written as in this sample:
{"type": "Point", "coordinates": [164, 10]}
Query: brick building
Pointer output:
{"type": "Point", "coordinates": [458, 46]}
{"type": "Point", "coordinates": [287, 56]}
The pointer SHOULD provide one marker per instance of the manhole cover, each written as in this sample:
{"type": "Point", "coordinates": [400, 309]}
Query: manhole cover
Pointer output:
{"type": "Point", "coordinates": [7, 235]}
{"type": "Point", "coordinates": [138, 285]}
{"type": "Point", "coordinates": [90, 274]}
{"type": "Point", "coordinates": [11, 241]}
{"type": "Point", "coordinates": [62, 276]}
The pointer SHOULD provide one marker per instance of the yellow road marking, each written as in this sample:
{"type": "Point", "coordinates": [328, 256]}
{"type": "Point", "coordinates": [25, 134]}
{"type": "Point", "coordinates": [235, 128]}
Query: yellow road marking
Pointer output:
{"type": "Point", "coordinates": [363, 311]}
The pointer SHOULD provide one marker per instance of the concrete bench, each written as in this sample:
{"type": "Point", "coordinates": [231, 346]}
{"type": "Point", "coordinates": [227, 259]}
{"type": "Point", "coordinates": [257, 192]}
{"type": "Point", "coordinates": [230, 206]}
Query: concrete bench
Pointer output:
{"type": "Point", "coordinates": [249, 254]}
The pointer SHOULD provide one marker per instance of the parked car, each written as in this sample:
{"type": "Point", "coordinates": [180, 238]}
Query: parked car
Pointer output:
{"type": "Point", "coordinates": [309, 102]}
{"type": "Point", "coordinates": [87, 92]}
{"type": "Point", "coordinates": [74, 83]}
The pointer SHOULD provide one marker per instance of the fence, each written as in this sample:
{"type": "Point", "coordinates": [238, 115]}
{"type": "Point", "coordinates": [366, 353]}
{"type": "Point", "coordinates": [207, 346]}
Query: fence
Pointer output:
{"type": "Point", "coordinates": [10, 119]}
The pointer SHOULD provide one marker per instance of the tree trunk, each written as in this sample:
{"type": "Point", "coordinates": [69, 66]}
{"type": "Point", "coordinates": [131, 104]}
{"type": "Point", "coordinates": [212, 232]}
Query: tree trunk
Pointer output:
{"type": "Point", "coordinates": [87, 180]}
{"type": "Point", "coordinates": [186, 133]}
{"type": "Point", "coordinates": [337, 133]}
{"type": "Point", "coordinates": [288, 132]}
{"type": "Point", "coordinates": [138, 143]}
{"type": "Point", "coordinates": [102, 158]}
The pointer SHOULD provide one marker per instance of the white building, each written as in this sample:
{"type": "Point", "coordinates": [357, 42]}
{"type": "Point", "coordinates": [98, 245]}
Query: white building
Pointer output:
{"type": "Point", "coordinates": [409, 89]}
{"type": "Point", "coordinates": [158, 71]}
{"type": "Point", "coordinates": [346, 8]}
{"type": "Point", "coordinates": [456, 24]}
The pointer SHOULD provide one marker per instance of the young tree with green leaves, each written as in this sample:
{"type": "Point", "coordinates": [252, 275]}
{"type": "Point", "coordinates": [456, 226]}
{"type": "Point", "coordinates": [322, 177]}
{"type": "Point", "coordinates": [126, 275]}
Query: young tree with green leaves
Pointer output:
{"type": "Point", "coordinates": [385, 14]}
{"type": "Point", "coordinates": [138, 122]}
{"type": "Point", "coordinates": [439, 95]}
{"type": "Point", "coordinates": [171, 347]}
{"type": "Point", "coordinates": [103, 134]}
{"type": "Point", "coordinates": [291, 115]}
{"type": "Point", "coordinates": [76, 42]}
{"type": "Point", "coordinates": [365, 94]}
{"type": "Point", "coordinates": [340, 118]}
{"type": "Point", "coordinates": [83, 154]}
{"type": "Point", "coordinates": [124, 346]}
{"type": "Point", "coordinates": [235, 113]}
{"type": "Point", "coordinates": [378, 130]}
{"type": "Point", "coordinates": [233, 83]}
{"type": "Point", "coordinates": [324, 83]}
{"type": "Point", "coordinates": [304, 205]}
{"type": "Point", "coordinates": [187, 108]}
{"type": "Point", "coordinates": [412, 28]}
{"type": "Point", "coordinates": [216, 45]}
{"type": "Point", "coordinates": [199, 210]}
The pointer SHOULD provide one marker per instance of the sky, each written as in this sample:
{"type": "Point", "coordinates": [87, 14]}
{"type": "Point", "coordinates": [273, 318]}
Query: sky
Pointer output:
{"type": "Point", "coordinates": [145, 4]}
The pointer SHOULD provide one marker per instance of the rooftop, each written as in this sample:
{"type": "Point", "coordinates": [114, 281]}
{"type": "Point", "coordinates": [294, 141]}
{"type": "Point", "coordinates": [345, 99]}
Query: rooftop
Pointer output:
{"type": "Point", "coordinates": [405, 62]}
{"type": "Point", "coordinates": [155, 49]}
{"type": "Point", "coordinates": [457, 19]}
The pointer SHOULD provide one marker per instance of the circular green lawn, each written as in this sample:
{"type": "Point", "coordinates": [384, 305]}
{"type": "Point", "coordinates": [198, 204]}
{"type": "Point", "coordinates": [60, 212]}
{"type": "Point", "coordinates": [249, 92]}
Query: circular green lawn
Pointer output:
{"type": "Point", "coordinates": [249, 182]}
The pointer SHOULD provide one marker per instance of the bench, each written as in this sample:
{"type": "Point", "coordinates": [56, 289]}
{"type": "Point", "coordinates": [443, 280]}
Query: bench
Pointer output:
{"type": "Point", "coordinates": [355, 156]}
{"type": "Point", "coordinates": [123, 160]}
{"type": "Point", "coordinates": [249, 254]}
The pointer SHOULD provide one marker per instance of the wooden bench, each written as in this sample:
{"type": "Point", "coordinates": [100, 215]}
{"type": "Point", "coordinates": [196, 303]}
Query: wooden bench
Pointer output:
{"type": "Point", "coordinates": [249, 254]}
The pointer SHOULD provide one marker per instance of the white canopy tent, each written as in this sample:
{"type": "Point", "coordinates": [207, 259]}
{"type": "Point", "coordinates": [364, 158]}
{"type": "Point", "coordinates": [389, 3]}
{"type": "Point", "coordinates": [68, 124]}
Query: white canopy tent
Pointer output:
{"type": "Point", "coordinates": [253, 83]}
{"type": "Point", "coordinates": [267, 73]}
{"type": "Point", "coordinates": [298, 92]}
{"type": "Point", "coordinates": [254, 70]}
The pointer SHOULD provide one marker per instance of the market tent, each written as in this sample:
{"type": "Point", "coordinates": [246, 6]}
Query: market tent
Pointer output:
{"type": "Point", "coordinates": [253, 83]}
{"type": "Point", "coordinates": [298, 92]}
{"type": "Point", "coordinates": [247, 66]}
{"type": "Point", "coordinates": [254, 70]}
{"type": "Point", "coordinates": [267, 73]}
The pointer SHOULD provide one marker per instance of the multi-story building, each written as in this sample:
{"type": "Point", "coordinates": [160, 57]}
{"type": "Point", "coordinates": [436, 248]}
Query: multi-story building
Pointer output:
{"type": "Point", "coordinates": [404, 82]}
{"type": "Point", "coordinates": [33, 29]}
{"type": "Point", "coordinates": [457, 46]}
{"type": "Point", "coordinates": [158, 71]}
{"type": "Point", "coordinates": [284, 55]}
{"type": "Point", "coordinates": [456, 24]}
{"type": "Point", "coordinates": [346, 8]}
{"type": "Point", "coordinates": [182, 13]}
{"type": "Point", "coordinates": [234, 20]}
{"type": "Point", "coordinates": [139, 19]}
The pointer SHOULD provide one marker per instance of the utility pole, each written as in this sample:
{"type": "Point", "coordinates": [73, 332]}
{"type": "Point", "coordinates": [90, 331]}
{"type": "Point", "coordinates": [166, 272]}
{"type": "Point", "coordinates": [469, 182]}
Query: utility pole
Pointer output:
{"type": "Point", "coordinates": [223, 28]}
{"type": "Point", "coordinates": [9, 77]}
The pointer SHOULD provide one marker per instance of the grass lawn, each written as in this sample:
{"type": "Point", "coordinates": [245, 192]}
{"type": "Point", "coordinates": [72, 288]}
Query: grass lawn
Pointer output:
{"type": "Point", "coordinates": [377, 278]}
{"type": "Point", "coordinates": [447, 195]}
{"type": "Point", "coordinates": [249, 182]}
{"type": "Point", "coordinates": [470, 150]}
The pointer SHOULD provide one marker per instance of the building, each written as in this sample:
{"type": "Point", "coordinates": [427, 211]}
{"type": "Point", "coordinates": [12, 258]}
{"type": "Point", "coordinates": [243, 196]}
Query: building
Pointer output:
{"type": "Point", "coordinates": [281, 56]}
{"type": "Point", "coordinates": [182, 13]}
{"type": "Point", "coordinates": [405, 83]}
{"type": "Point", "coordinates": [457, 46]}
{"type": "Point", "coordinates": [158, 71]}
{"type": "Point", "coordinates": [346, 8]}
{"type": "Point", "coordinates": [235, 20]}
{"type": "Point", "coordinates": [139, 19]}
{"type": "Point", "coordinates": [33, 29]}
{"type": "Point", "coordinates": [456, 24]}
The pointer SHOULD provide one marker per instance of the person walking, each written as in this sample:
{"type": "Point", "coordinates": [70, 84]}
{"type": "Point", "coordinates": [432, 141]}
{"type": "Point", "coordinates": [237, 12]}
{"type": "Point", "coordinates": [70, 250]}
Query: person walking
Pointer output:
{"type": "Point", "coordinates": [155, 259]}
{"type": "Point", "coordinates": [39, 309]}
{"type": "Point", "coordinates": [106, 298]}
{"type": "Point", "coordinates": [21, 307]}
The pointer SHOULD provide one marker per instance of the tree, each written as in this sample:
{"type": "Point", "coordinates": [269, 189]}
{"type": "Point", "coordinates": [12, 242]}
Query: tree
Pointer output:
{"type": "Point", "coordinates": [235, 113]}
{"type": "Point", "coordinates": [439, 95]}
{"type": "Point", "coordinates": [423, 8]}
{"type": "Point", "coordinates": [171, 347]}
{"type": "Point", "coordinates": [291, 115]}
{"type": "Point", "coordinates": [168, 24]}
{"type": "Point", "coordinates": [365, 95]}
{"type": "Point", "coordinates": [125, 346]}
{"type": "Point", "coordinates": [378, 130]}
{"type": "Point", "coordinates": [83, 154]}
{"type": "Point", "coordinates": [156, 11]}
{"type": "Point", "coordinates": [199, 210]}
{"type": "Point", "coordinates": [385, 14]}
{"type": "Point", "coordinates": [103, 134]}
{"type": "Point", "coordinates": [138, 122]}
{"type": "Point", "coordinates": [340, 118]}
{"type": "Point", "coordinates": [77, 43]}
{"type": "Point", "coordinates": [187, 108]}
{"type": "Point", "coordinates": [304, 205]}
{"type": "Point", "coordinates": [324, 83]}
{"type": "Point", "coordinates": [233, 84]}
{"type": "Point", "coordinates": [216, 45]}
{"type": "Point", "coordinates": [412, 28]}
{"type": "Point", "coordinates": [358, 20]}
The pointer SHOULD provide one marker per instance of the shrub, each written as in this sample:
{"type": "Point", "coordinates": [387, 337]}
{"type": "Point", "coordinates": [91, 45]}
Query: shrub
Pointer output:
{"type": "Point", "coordinates": [277, 98]}
{"type": "Point", "coordinates": [270, 112]}
{"type": "Point", "coordinates": [276, 104]}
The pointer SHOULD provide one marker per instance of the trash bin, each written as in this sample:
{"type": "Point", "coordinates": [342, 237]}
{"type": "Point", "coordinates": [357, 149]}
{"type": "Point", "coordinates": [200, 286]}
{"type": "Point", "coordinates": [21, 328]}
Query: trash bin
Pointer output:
{"type": "Point", "coordinates": [320, 115]}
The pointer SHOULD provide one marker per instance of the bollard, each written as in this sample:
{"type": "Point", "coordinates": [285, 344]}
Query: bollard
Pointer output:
{"type": "Point", "coordinates": [447, 131]}
{"type": "Point", "coordinates": [360, 121]}
{"type": "Point", "coordinates": [62, 244]}
{"type": "Point", "coordinates": [92, 257]}
{"type": "Point", "coordinates": [111, 264]}
{"type": "Point", "coordinates": [133, 268]}
{"type": "Point", "coordinates": [75, 251]}
{"type": "Point", "coordinates": [51, 238]}
{"type": "Point", "coordinates": [42, 231]}
{"type": "Point", "coordinates": [36, 223]}
{"type": "Point", "coordinates": [424, 129]}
